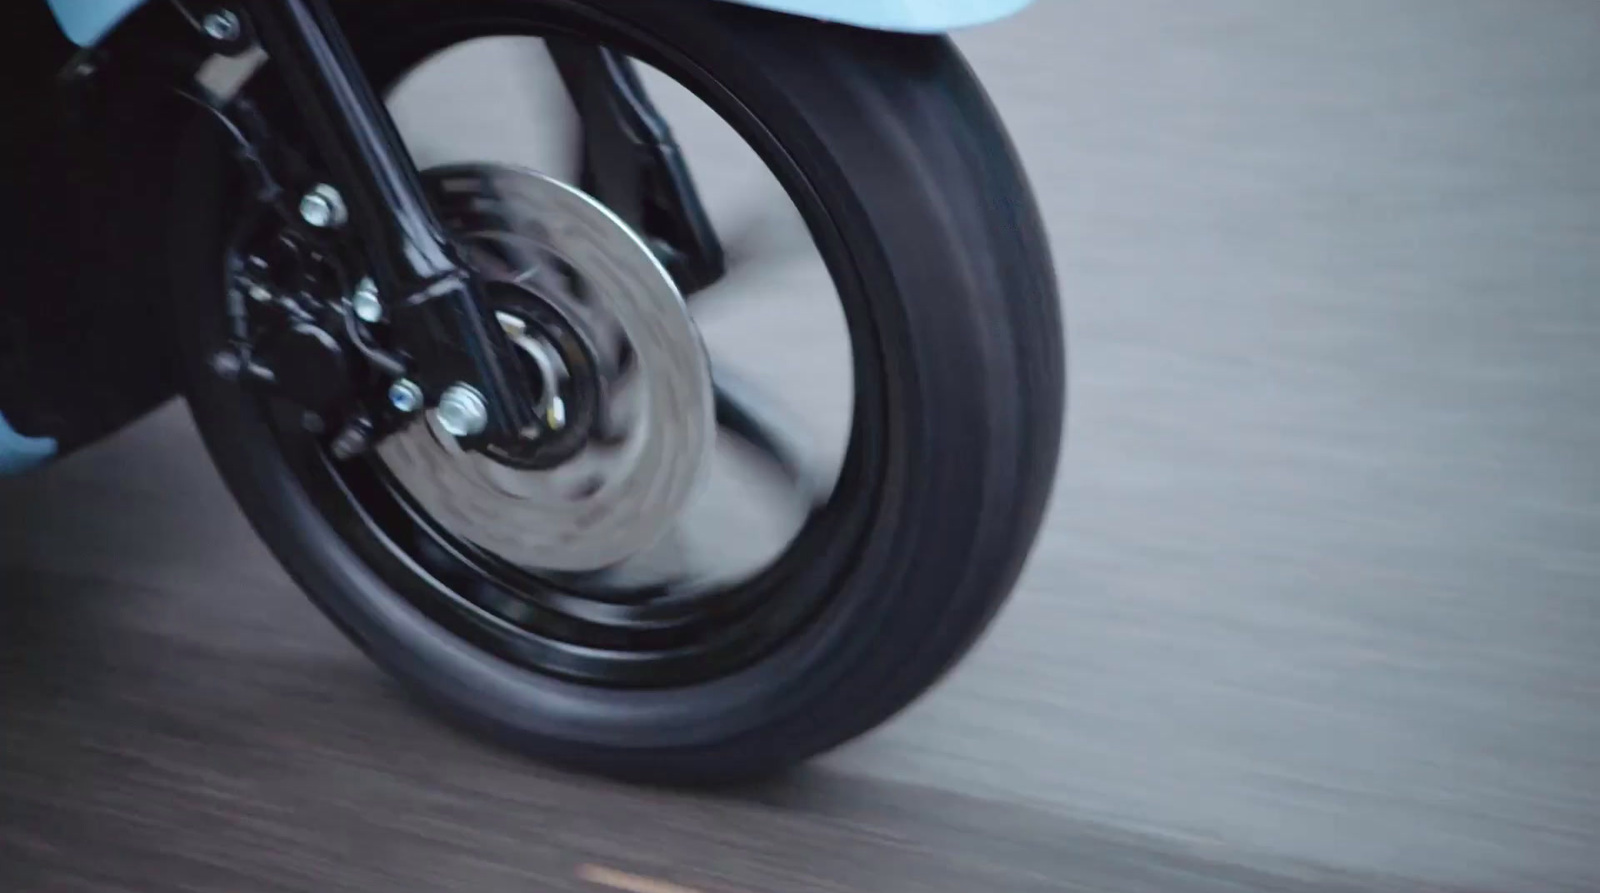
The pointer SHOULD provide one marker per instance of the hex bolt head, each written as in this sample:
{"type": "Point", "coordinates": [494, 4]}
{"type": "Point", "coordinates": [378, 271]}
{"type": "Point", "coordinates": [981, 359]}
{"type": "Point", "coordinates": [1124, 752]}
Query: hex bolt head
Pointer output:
{"type": "Point", "coordinates": [222, 25]}
{"type": "Point", "coordinates": [323, 207]}
{"type": "Point", "coordinates": [555, 415]}
{"type": "Point", "coordinates": [405, 396]}
{"type": "Point", "coordinates": [462, 411]}
{"type": "Point", "coordinates": [366, 304]}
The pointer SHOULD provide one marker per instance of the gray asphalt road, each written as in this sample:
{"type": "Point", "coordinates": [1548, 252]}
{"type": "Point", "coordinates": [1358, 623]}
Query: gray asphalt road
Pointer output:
{"type": "Point", "coordinates": [1316, 607]}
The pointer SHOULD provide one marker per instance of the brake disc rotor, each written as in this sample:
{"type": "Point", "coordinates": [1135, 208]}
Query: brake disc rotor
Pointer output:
{"type": "Point", "coordinates": [651, 442]}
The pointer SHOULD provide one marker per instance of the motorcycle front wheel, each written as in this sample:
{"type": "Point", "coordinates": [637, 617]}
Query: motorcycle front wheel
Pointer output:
{"type": "Point", "coordinates": [913, 196]}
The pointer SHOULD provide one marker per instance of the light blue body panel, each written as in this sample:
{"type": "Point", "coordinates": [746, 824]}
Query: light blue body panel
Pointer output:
{"type": "Point", "coordinates": [86, 21]}
{"type": "Point", "coordinates": [910, 16]}
{"type": "Point", "coordinates": [19, 454]}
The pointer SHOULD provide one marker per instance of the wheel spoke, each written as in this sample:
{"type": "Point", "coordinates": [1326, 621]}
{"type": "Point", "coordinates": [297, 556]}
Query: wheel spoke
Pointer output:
{"type": "Point", "coordinates": [752, 418]}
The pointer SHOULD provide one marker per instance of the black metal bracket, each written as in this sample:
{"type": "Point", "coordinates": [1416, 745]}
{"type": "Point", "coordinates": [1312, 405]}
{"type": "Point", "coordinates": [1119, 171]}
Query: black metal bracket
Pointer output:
{"type": "Point", "coordinates": [441, 317]}
{"type": "Point", "coordinates": [632, 164]}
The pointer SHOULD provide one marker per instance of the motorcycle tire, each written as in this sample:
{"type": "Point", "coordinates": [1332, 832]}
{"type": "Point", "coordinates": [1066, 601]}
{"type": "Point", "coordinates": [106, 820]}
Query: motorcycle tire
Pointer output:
{"type": "Point", "coordinates": [933, 238]}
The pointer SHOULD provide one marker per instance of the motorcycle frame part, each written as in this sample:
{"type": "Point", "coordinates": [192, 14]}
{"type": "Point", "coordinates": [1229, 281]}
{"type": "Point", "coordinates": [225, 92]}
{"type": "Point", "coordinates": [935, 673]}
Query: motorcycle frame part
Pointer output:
{"type": "Point", "coordinates": [86, 22]}
{"type": "Point", "coordinates": [440, 314]}
{"type": "Point", "coordinates": [632, 164]}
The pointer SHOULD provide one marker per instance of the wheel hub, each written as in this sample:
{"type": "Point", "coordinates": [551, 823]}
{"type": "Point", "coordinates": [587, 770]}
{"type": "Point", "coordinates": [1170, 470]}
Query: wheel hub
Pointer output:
{"type": "Point", "coordinates": [563, 370]}
{"type": "Point", "coordinates": [618, 367]}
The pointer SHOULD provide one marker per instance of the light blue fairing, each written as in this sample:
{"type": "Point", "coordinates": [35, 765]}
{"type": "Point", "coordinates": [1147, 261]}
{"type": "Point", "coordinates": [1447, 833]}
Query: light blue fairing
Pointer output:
{"type": "Point", "coordinates": [914, 16]}
{"type": "Point", "coordinates": [19, 454]}
{"type": "Point", "coordinates": [86, 21]}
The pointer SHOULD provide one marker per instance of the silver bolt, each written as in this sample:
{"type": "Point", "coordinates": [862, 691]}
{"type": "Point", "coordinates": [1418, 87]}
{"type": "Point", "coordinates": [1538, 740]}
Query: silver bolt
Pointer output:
{"type": "Point", "coordinates": [221, 25]}
{"type": "Point", "coordinates": [406, 396]}
{"type": "Point", "coordinates": [323, 207]}
{"type": "Point", "coordinates": [227, 364]}
{"type": "Point", "coordinates": [462, 412]}
{"type": "Point", "coordinates": [555, 415]}
{"type": "Point", "coordinates": [365, 302]}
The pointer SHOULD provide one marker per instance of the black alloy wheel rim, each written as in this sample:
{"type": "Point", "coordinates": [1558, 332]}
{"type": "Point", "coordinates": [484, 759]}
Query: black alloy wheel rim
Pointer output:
{"type": "Point", "coordinates": [560, 625]}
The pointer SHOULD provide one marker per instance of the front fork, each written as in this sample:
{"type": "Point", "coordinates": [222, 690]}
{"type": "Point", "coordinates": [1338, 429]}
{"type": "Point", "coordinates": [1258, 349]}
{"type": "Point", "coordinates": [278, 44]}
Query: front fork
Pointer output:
{"type": "Point", "coordinates": [439, 311]}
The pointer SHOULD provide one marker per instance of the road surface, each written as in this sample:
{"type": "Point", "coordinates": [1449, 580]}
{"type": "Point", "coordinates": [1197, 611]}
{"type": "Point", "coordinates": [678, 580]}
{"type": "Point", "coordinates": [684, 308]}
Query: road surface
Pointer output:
{"type": "Point", "coordinates": [1317, 606]}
